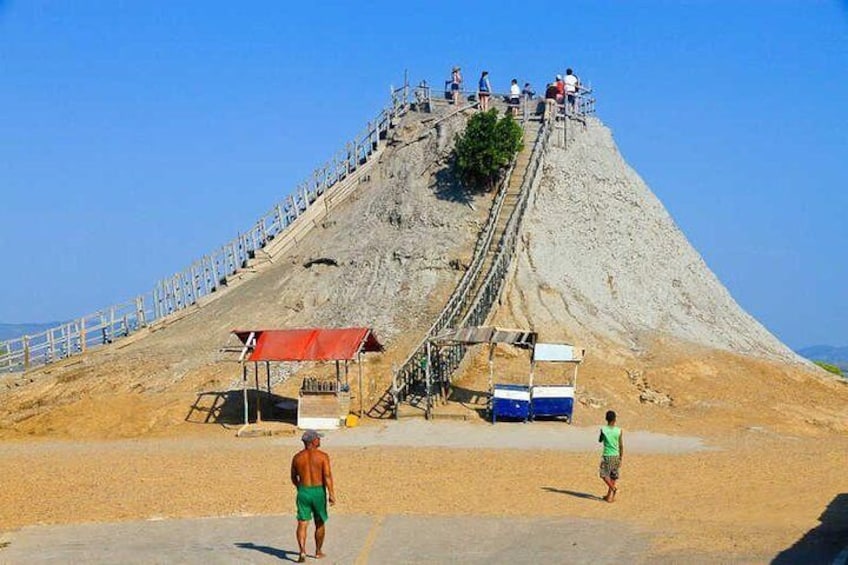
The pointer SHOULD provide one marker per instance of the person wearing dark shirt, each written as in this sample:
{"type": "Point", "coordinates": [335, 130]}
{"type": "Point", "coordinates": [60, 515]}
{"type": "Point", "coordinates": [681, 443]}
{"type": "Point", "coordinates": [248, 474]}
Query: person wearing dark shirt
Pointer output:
{"type": "Point", "coordinates": [484, 90]}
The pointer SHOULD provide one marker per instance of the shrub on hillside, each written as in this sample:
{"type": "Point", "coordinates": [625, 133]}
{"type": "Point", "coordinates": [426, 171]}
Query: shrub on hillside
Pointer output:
{"type": "Point", "coordinates": [829, 368]}
{"type": "Point", "coordinates": [486, 148]}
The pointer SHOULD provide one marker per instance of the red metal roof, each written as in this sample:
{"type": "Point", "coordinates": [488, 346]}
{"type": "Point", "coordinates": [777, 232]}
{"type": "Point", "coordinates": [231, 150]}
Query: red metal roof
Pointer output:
{"type": "Point", "coordinates": [310, 344]}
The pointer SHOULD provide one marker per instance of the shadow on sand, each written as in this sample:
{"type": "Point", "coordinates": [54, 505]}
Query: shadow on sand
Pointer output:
{"type": "Point", "coordinates": [282, 554]}
{"type": "Point", "coordinates": [823, 543]}
{"type": "Point", "coordinates": [475, 400]}
{"type": "Point", "coordinates": [574, 493]}
{"type": "Point", "coordinates": [226, 408]}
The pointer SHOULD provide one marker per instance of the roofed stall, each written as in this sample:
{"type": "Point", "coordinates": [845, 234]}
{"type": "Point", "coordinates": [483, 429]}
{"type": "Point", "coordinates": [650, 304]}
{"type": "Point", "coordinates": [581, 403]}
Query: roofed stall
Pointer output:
{"type": "Point", "coordinates": [511, 401]}
{"type": "Point", "coordinates": [555, 400]}
{"type": "Point", "coordinates": [320, 402]}
{"type": "Point", "coordinates": [523, 402]}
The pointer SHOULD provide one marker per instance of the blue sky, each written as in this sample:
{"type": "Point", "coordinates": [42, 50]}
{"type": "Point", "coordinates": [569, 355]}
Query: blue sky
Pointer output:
{"type": "Point", "coordinates": [137, 136]}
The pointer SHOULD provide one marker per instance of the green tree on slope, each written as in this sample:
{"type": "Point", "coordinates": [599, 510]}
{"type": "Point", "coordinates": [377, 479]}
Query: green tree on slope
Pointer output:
{"type": "Point", "coordinates": [486, 148]}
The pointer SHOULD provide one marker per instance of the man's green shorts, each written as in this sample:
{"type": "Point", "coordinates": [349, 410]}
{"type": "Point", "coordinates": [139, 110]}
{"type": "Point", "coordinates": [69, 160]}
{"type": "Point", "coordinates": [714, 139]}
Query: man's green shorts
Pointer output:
{"type": "Point", "coordinates": [309, 500]}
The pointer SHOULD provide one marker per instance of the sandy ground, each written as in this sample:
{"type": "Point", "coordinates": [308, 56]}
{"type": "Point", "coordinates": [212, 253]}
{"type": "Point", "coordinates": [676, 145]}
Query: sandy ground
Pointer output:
{"type": "Point", "coordinates": [743, 498]}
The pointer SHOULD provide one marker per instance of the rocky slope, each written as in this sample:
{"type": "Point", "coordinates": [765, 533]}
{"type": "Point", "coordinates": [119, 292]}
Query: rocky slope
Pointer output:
{"type": "Point", "coordinates": [603, 265]}
{"type": "Point", "coordinates": [603, 262]}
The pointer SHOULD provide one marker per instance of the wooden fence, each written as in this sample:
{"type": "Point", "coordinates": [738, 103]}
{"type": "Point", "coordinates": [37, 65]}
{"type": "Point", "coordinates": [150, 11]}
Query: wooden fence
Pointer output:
{"type": "Point", "coordinates": [208, 273]}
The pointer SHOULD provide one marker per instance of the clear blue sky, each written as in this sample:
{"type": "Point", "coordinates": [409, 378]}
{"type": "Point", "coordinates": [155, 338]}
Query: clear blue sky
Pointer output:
{"type": "Point", "coordinates": [136, 136]}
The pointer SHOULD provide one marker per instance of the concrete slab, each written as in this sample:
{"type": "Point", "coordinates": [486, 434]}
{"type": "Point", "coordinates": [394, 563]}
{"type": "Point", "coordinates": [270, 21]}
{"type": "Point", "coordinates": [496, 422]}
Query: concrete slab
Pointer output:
{"type": "Point", "coordinates": [241, 539]}
{"type": "Point", "coordinates": [471, 540]}
{"type": "Point", "coordinates": [350, 539]}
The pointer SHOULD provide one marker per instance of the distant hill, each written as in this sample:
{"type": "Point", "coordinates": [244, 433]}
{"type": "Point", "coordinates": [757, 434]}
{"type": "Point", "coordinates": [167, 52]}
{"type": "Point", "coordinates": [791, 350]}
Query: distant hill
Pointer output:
{"type": "Point", "coordinates": [11, 331]}
{"type": "Point", "coordinates": [828, 353]}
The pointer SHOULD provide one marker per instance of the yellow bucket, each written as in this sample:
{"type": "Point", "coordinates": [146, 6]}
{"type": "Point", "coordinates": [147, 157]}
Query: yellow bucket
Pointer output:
{"type": "Point", "coordinates": [351, 421]}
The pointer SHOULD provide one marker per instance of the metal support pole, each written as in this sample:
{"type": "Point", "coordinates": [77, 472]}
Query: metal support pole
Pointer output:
{"type": "Point", "coordinates": [244, 389]}
{"type": "Point", "coordinates": [361, 391]}
{"type": "Point", "coordinates": [532, 371]}
{"type": "Point", "coordinates": [491, 367]}
{"type": "Point", "coordinates": [394, 392]}
{"type": "Point", "coordinates": [428, 382]}
{"type": "Point", "coordinates": [258, 396]}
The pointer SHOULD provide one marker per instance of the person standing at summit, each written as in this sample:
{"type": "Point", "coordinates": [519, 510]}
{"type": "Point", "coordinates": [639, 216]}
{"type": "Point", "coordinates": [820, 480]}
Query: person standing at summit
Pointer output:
{"type": "Point", "coordinates": [456, 84]}
{"type": "Point", "coordinates": [514, 97]}
{"type": "Point", "coordinates": [572, 87]}
{"type": "Point", "coordinates": [560, 89]}
{"type": "Point", "coordinates": [484, 90]}
{"type": "Point", "coordinates": [610, 467]}
{"type": "Point", "coordinates": [311, 475]}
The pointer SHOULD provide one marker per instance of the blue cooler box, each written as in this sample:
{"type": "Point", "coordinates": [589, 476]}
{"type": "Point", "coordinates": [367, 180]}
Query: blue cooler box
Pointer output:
{"type": "Point", "coordinates": [553, 401]}
{"type": "Point", "coordinates": [511, 401]}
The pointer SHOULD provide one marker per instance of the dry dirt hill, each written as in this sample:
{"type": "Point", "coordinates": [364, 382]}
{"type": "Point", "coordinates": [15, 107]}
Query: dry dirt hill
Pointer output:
{"type": "Point", "coordinates": [600, 264]}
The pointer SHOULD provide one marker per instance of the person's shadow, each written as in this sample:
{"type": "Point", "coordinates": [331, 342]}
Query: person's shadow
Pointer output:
{"type": "Point", "coordinates": [273, 551]}
{"type": "Point", "coordinates": [574, 493]}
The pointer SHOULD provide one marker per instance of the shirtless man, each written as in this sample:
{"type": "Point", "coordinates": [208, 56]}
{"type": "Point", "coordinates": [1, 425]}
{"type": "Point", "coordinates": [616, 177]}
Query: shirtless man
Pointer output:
{"type": "Point", "coordinates": [311, 475]}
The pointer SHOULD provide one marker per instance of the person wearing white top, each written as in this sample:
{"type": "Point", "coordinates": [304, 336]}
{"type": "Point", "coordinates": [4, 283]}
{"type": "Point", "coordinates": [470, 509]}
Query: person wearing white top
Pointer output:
{"type": "Point", "coordinates": [514, 97]}
{"type": "Point", "coordinates": [572, 86]}
{"type": "Point", "coordinates": [514, 90]}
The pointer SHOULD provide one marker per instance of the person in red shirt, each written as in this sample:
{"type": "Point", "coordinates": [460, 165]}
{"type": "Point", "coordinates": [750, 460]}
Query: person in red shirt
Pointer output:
{"type": "Point", "coordinates": [560, 89]}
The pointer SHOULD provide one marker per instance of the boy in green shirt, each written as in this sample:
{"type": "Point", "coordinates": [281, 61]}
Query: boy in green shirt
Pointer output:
{"type": "Point", "coordinates": [611, 458]}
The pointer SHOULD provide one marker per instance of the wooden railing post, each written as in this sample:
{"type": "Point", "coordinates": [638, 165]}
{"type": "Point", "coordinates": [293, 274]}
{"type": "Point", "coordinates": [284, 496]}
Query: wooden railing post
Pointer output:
{"type": "Point", "coordinates": [51, 346]}
{"type": "Point", "coordinates": [139, 311]}
{"type": "Point", "coordinates": [69, 344]}
{"type": "Point", "coordinates": [26, 353]}
{"type": "Point", "coordinates": [233, 259]}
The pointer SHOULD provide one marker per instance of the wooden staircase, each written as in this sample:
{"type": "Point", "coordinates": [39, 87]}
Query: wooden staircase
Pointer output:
{"type": "Point", "coordinates": [511, 198]}
{"type": "Point", "coordinates": [411, 395]}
